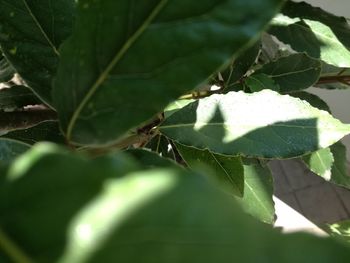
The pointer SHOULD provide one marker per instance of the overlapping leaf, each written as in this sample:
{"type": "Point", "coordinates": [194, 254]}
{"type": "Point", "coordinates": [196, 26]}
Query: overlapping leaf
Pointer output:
{"type": "Point", "coordinates": [293, 73]}
{"type": "Point", "coordinates": [6, 70]}
{"type": "Point", "coordinates": [263, 124]}
{"type": "Point", "coordinates": [30, 35]}
{"type": "Point", "coordinates": [312, 30]}
{"type": "Point", "coordinates": [227, 170]}
{"type": "Point", "coordinates": [11, 149]}
{"type": "Point", "coordinates": [138, 56]}
{"type": "Point", "coordinates": [121, 214]}
{"type": "Point", "coordinates": [17, 97]}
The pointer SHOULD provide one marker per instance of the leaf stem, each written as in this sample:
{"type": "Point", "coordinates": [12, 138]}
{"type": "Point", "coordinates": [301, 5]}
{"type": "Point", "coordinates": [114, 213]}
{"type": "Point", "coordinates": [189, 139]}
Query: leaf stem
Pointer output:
{"type": "Point", "coordinates": [334, 79]}
{"type": "Point", "coordinates": [12, 250]}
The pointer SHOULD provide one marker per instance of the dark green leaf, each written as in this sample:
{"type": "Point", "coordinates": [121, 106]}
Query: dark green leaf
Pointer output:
{"type": "Point", "coordinates": [312, 30]}
{"type": "Point", "coordinates": [313, 99]}
{"type": "Point", "coordinates": [240, 66]}
{"type": "Point", "coordinates": [10, 149]}
{"type": "Point", "coordinates": [30, 35]}
{"type": "Point", "coordinates": [150, 159]}
{"type": "Point", "coordinates": [259, 82]}
{"type": "Point", "coordinates": [258, 191]}
{"type": "Point", "coordinates": [17, 97]}
{"type": "Point", "coordinates": [263, 124]}
{"type": "Point", "coordinates": [227, 170]}
{"type": "Point", "coordinates": [117, 215]}
{"type": "Point", "coordinates": [292, 73]}
{"type": "Point", "coordinates": [6, 70]}
{"type": "Point", "coordinates": [340, 174]}
{"type": "Point", "coordinates": [44, 131]}
{"type": "Point", "coordinates": [139, 56]}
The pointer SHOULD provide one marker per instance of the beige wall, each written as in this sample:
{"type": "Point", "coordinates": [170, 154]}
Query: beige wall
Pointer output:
{"type": "Point", "coordinates": [338, 100]}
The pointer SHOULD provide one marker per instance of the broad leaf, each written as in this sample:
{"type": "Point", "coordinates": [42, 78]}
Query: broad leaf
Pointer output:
{"type": "Point", "coordinates": [137, 58]}
{"type": "Point", "coordinates": [6, 70]}
{"type": "Point", "coordinates": [258, 191]}
{"type": "Point", "coordinates": [17, 97]}
{"type": "Point", "coordinates": [30, 35]}
{"type": "Point", "coordinates": [259, 82]}
{"type": "Point", "coordinates": [263, 124]}
{"type": "Point", "coordinates": [227, 170]}
{"type": "Point", "coordinates": [118, 215]}
{"type": "Point", "coordinates": [340, 174]}
{"type": "Point", "coordinates": [44, 131]}
{"type": "Point", "coordinates": [10, 149]}
{"type": "Point", "coordinates": [312, 30]}
{"type": "Point", "coordinates": [292, 73]}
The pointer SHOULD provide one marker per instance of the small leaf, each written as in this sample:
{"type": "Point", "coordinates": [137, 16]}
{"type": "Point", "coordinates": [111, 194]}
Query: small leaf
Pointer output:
{"type": "Point", "coordinates": [150, 159]}
{"type": "Point", "coordinates": [340, 174]}
{"type": "Point", "coordinates": [11, 149]}
{"type": "Point", "coordinates": [45, 131]}
{"type": "Point", "coordinates": [17, 97]}
{"type": "Point", "coordinates": [259, 82]}
{"type": "Point", "coordinates": [294, 72]}
{"type": "Point", "coordinates": [320, 162]}
{"type": "Point", "coordinates": [314, 31]}
{"type": "Point", "coordinates": [263, 124]}
{"type": "Point", "coordinates": [30, 35]}
{"type": "Point", "coordinates": [227, 170]}
{"type": "Point", "coordinates": [258, 192]}
{"type": "Point", "coordinates": [138, 58]}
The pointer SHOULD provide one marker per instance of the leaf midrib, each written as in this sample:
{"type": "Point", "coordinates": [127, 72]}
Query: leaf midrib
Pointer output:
{"type": "Point", "coordinates": [40, 27]}
{"type": "Point", "coordinates": [129, 42]}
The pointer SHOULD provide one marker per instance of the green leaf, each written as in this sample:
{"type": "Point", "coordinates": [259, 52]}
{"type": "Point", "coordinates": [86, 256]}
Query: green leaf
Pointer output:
{"type": "Point", "coordinates": [122, 214]}
{"type": "Point", "coordinates": [240, 66]}
{"type": "Point", "coordinates": [175, 106]}
{"type": "Point", "coordinates": [226, 169]}
{"type": "Point", "coordinates": [137, 58]}
{"type": "Point", "coordinates": [30, 35]}
{"type": "Point", "coordinates": [17, 97]}
{"type": "Point", "coordinates": [10, 149]}
{"type": "Point", "coordinates": [259, 82]}
{"type": "Point", "coordinates": [44, 131]}
{"type": "Point", "coordinates": [340, 174]}
{"type": "Point", "coordinates": [313, 99]}
{"type": "Point", "coordinates": [331, 164]}
{"type": "Point", "coordinates": [258, 191]}
{"type": "Point", "coordinates": [320, 162]}
{"type": "Point", "coordinates": [263, 124]}
{"type": "Point", "coordinates": [294, 72]}
{"type": "Point", "coordinates": [312, 30]}
{"type": "Point", "coordinates": [339, 230]}
{"type": "Point", "coordinates": [150, 159]}
{"type": "Point", "coordinates": [6, 70]}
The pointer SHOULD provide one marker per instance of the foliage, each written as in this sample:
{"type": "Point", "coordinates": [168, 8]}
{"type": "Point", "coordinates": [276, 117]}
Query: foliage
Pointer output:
{"type": "Point", "coordinates": [141, 131]}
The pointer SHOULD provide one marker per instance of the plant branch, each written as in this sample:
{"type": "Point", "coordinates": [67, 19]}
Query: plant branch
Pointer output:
{"type": "Point", "coordinates": [25, 119]}
{"type": "Point", "coordinates": [334, 79]}
{"type": "Point", "coordinates": [12, 250]}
